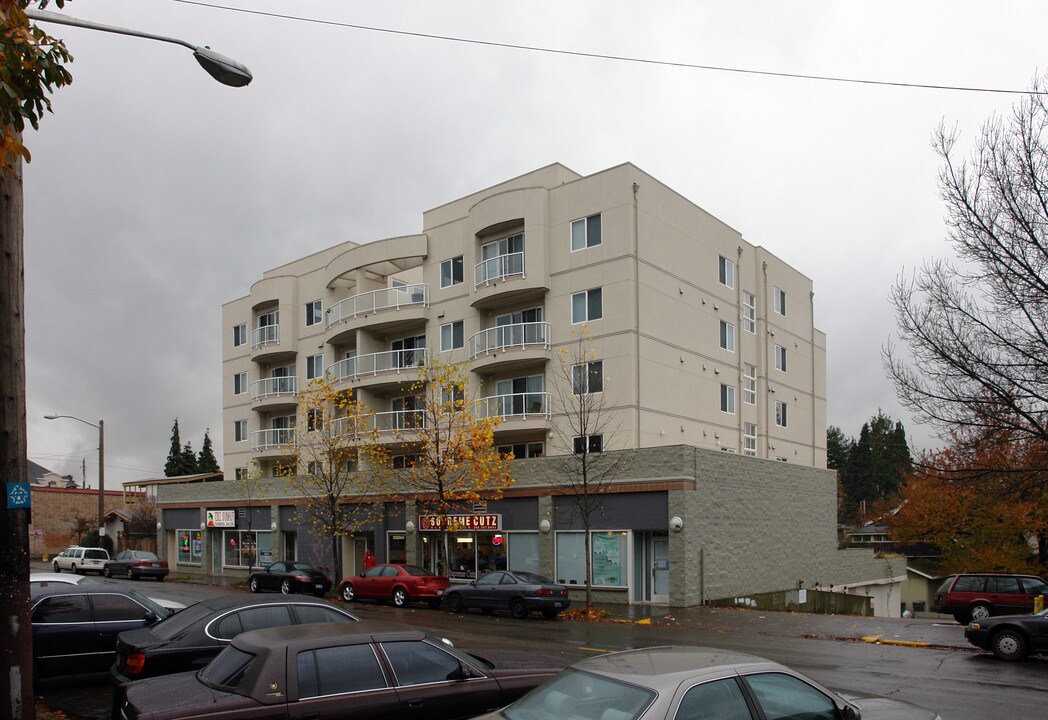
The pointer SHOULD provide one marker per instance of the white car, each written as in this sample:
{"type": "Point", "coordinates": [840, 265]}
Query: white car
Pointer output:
{"type": "Point", "coordinates": [44, 579]}
{"type": "Point", "coordinates": [78, 559]}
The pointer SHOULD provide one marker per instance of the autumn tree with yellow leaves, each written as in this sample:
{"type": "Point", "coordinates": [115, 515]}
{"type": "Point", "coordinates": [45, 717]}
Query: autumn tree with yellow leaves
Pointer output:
{"type": "Point", "coordinates": [455, 462]}
{"type": "Point", "coordinates": [339, 469]}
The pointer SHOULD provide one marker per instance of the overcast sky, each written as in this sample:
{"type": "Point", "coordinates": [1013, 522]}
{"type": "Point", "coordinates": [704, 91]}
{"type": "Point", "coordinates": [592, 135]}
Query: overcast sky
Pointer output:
{"type": "Point", "coordinates": [155, 194]}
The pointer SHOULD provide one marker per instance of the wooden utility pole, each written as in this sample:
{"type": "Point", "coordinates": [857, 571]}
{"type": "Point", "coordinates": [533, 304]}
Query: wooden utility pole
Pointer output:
{"type": "Point", "coordinates": [16, 650]}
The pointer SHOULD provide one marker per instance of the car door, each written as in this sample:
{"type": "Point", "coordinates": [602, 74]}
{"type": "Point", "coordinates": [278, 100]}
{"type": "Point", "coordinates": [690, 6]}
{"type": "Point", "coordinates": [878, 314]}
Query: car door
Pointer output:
{"type": "Point", "coordinates": [113, 614]}
{"type": "Point", "coordinates": [338, 682]}
{"type": "Point", "coordinates": [485, 592]}
{"type": "Point", "coordinates": [1007, 596]}
{"type": "Point", "coordinates": [366, 586]}
{"type": "Point", "coordinates": [64, 636]}
{"type": "Point", "coordinates": [118, 565]}
{"type": "Point", "coordinates": [782, 696]}
{"type": "Point", "coordinates": [715, 700]}
{"type": "Point", "coordinates": [431, 683]}
{"type": "Point", "coordinates": [271, 577]}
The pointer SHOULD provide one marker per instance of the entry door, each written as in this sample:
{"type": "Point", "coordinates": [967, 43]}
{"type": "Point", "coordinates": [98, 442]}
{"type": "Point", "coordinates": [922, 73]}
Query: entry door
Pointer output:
{"type": "Point", "coordinates": [216, 551]}
{"type": "Point", "coordinates": [660, 570]}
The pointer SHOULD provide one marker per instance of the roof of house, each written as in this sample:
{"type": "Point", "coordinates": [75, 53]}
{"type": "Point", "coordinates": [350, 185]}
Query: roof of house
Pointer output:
{"type": "Point", "coordinates": [177, 480]}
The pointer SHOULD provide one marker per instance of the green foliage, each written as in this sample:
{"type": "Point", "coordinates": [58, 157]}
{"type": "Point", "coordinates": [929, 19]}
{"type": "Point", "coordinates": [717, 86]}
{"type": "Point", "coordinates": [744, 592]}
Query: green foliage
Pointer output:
{"type": "Point", "coordinates": [91, 540]}
{"type": "Point", "coordinates": [838, 448]}
{"type": "Point", "coordinates": [874, 467]}
{"type": "Point", "coordinates": [32, 69]}
{"type": "Point", "coordinates": [189, 464]}
{"type": "Point", "coordinates": [206, 461]}
{"type": "Point", "coordinates": [174, 464]}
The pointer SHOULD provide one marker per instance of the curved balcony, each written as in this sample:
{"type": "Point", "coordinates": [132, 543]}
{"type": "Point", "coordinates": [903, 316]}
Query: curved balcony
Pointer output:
{"type": "Point", "coordinates": [517, 411]}
{"type": "Point", "coordinates": [265, 343]}
{"type": "Point", "coordinates": [385, 309]}
{"type": "Point", "coordinates": [375, 370]}
{"type": "Point", "coordinates": [510, 346]}
{"type": "Point", "coordinates": [273, 442]}
{"type": "Point", "coordinates": [386, 423]}
{"type": "Point", "coordinates": [274, 393]}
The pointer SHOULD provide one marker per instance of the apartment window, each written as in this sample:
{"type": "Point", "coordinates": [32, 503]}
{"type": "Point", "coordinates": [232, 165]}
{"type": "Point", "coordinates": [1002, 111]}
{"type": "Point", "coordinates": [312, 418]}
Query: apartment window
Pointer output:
{"type": "Point", "coordinates": [451, 336]}
{"type": "Point", "coordinates": [727, 336]}
{"type": "Point", "coordinates": [726, 272]}
{"type": "Point", "coordinates": [749, 439]}
{"type": "Point", "coordinates": [589, 444]}
{"type": "Point", "coordinates": [451, 272]}
{"type": "Point", "coordinates": [240, 473]}
{"type": "Point", "coordinates": [520, 451]}
{"type": "Point", "coordinates": [749, 312]}
{"type": "Point", "coordinates": [314, 313]}
{"type": "Point", "coordinates": [315, 420]}
{"type": "Point", "coordinates": [780, 413]}
{"type": "Point", "coordinates": [239, 334]}
{"type": "Point", "coordinates": [453, 397]}
{"type": "Point", "coordinates": [585, 233]}
{"type": "Point", "coordinates": [587, 305]}
{"type": "Point", "coordinates": [587, 377]}
{"type": "Point", "coordinates": [314, 366]}
{"type": "Point", "coordinates": [402, 462]}
{"type": "Point", "coordinates": [780, 301]}
{"type": "Point", "coordinates": [269, 319]}
{"type": "Point", "coordinates": [749, 384]}
{"type": "Point", "coordinates": [240, 383]}
{"type": "Point", "coordinates": [727, 397]}
{"type": "Point", "coordinates": [780, 358]}
{"type": "Point", "coordinates": [240, 431]}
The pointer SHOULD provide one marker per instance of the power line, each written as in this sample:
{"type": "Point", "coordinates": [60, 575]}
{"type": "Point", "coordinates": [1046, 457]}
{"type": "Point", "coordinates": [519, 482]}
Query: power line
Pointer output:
{"type": "Point", "coordinates": [618, 58]}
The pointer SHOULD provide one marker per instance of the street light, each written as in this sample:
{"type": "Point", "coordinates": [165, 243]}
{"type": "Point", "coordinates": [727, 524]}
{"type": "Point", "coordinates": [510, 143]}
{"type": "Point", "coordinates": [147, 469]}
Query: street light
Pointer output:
{"type": "Point", "coordinates": [226, 70]}
{"type": "Point", "coordinates": [101, 472]}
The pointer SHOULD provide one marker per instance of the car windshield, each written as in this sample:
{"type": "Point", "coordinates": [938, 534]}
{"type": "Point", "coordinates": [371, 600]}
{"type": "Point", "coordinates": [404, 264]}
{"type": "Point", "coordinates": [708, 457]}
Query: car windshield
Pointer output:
{"type": "Point", "coordinates": [946, 584]}
{"type": "Point", "coordinates": [227, 669]}
{"type": "Point", "coordinates": [299, 566]}
{"type": "Point", "coordinates": [574, 693]}
{"type": "Point", "coordinates": [159, 611]}
{"type": "Point", "coordinates": [533, 578]}
{"type": "Point", "coordinates": [415, 570]}
{"type": "Point", "coordinates": [1035, 586]}
{"type": "Point", "coordinates": [141, 555]}
{"type": "Point", "coordinates": [180, 622]}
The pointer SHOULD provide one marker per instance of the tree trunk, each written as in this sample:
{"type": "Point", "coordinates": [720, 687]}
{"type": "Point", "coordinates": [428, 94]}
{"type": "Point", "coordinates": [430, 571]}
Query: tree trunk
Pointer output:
{"type": "Point", "coordinates": [589, 563]}
{"type": "Point", "coordinates": [16, 653]}
{"type": "Point", "coordinates": [335, 559]}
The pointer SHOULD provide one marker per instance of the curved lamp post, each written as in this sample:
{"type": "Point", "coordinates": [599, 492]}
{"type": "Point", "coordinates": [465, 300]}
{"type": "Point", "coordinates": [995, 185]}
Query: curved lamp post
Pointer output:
{"type": "Point", "coordinates": [226, 70]}
{"type": "Point", "coordinates": [101, 472]}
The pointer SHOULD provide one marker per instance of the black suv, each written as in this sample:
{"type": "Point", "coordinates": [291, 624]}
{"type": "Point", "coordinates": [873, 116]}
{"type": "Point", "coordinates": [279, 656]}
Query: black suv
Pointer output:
{"type": "Point", "coordinates": [977, 596]}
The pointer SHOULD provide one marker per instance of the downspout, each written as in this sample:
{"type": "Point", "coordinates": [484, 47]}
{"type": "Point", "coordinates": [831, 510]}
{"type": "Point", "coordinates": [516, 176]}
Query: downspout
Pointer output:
{"type": "Point", "coordinates": [741, 402]}
{"type": "Point", "coordinates": [763, 413]}
{"type": "Point", "coordinates": [636, 315]}
{"type": "Point", "coordinates": [814, 420]}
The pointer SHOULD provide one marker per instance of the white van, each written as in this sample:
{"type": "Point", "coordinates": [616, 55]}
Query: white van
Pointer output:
{"type": "Point", "coordinates": [81, 560]}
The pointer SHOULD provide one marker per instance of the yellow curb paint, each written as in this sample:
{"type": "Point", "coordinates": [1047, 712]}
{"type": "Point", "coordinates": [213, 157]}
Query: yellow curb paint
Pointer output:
{"type": "Point", "coordinates": [905, 643]}
{"type": "Point", "coordinates": [872, 638]}
{"type": "Point", "coordinates": [645, 621]}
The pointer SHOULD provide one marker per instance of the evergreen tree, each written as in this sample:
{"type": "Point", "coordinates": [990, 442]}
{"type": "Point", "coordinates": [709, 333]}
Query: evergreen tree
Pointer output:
{"type": "Point", "coordinates": [173, 466]}
{"type": "Point", "coordinates": [206, 462]}
{"type": "Point", "coordinates": [838, 448]}
{"type": "Point", "coordinates": [189, 463]}
{"type": "Point", "coordinates": [878, 462]}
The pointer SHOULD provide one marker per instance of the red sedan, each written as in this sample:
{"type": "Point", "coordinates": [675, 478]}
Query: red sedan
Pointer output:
{"type": "Point", "coordinates": [400, 583]}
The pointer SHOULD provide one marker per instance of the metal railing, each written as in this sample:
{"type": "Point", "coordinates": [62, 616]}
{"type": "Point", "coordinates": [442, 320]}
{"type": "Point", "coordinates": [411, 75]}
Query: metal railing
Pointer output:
{"type": "Point", "coordinates": [274, 437]}
{"type": "Point", "coordinates": [376, 300]}
{"type": "Point", "coordinates": [265, 335]}
{"type": "Point", "coordinates": [390, 361]}
{"type": "Point", "coordinates": [498, 268]}
{"type": "Point", "coordinates": [519, 406]}
{"type": "Point", "coordinates": [395, 420]}
{"type": "Point", "coordinates": [262, 389]}
{"type": "Point", "coordinates": [502, 337]}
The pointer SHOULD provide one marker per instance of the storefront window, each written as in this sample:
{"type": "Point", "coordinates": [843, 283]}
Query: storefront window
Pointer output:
{"type": "Point", "coordinates": [398, 548]}
{"type": "Point", "coordinates": [571, 558]}
{"type": "Point", "coordinates": [246, 548]}
{"type": "Point", "coordinates": [524, 552]}
{"type": "Point", "coordinates": [463, 556]}
{"type": "Point", "coordinates": [190, 545]}
{"type": "Point", "coordinates": [491, 552]}
{"type": "Point", "coordinates": [610, 558]}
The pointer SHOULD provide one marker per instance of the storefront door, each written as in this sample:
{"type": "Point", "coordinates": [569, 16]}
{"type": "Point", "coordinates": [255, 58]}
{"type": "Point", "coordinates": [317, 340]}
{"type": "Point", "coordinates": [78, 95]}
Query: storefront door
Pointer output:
{"type": "Point", "coordinates": [660, 570]}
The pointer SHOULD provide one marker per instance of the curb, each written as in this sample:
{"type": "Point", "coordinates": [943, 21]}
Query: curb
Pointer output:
{"type": "Point", "coordinates": [880, 640]}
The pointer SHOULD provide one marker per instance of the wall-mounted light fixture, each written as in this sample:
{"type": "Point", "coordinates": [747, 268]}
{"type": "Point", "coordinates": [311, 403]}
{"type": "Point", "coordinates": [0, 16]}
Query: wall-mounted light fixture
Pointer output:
{"type": "Point", "coordinates": [676, 524]}
{"type": "Point", "coordinates": [273, 526]}
{"type": "Point", "coordinates": [544, 526]}
{"type": "Point", "coordinates": [203, 526]}
{"type": "Point", "coordinates": [409, 527]}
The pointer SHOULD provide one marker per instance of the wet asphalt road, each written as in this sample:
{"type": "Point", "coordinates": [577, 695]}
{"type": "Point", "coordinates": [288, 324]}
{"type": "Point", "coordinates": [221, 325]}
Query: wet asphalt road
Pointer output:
{"type": "Point", "coordinates": [948, 676]}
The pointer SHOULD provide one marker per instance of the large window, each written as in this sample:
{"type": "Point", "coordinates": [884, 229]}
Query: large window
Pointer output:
{"type": "Point", "coordinates": [585, 233]}
{"type": "Point", "coordinates": [587, 377]}
{"type": "Point", "coordinates": [314, 313]}
{"type": "Point", "coordinates": [610, 558]}
{"type": "Point", "coordinates": [749, 384]}
{"type": "Point", "coordinates": [314, 366]}
{"type": "Point", "coordinates": [240, 383]}
{"type": "Point", "coordinates": [239, 430]}
{"type": "Point", "coordinates": [589, 444]}
{"type": "Point", "coordinates": [451, 272]}
{"type": "Point", "coordinates": [473, 554]}
{"type": "Point", "coordinates": [190, 545]}
{"type": "Point", "coordinates": [726, 272]}
{"type": "Point", "coordinates": [727, 399]}
{"type": "Point", "coordinates": [727, 336]}
{"type": "Point", "coordinates": [522, 450]}
{"type": "Point", "coordinates": [749, 439]}
{"type": "Point", "coordinates": [451, 336]}
{"type": "Point", "coordinates": [780, 414]}
{"type": "Point", "coordinates": [239, 334]}
{"type": "Point", "coordinates": [587, 305]}
{"type": "Point", "coordinates": [246, 548]}
{"type": "Point", "coordinates": [749, 312]}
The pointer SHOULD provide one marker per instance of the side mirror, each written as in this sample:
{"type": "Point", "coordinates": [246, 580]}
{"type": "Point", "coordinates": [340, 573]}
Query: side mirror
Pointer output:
{"type": "Point", "coordinates": [151, 617]}
{"type": "Point", "coordinates": [473, 583]}
{"type": "Point", "coordinates": [850, 713]}
{"type": "Point", "coordinates": [462, 673]}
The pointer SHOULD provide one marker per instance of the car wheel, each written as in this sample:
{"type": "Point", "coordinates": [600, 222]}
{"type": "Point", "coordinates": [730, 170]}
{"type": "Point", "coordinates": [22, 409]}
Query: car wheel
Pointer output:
{"type": "Point", "coordinates": [107, 572]}
{"type": "Point", "coordinates": [131, 574]}
{"type": "Point", "coordinates": [285, 587]}
{"type": "Point", "coordinates": [73, 569]}
{"type": "Point", "coordinates": [518, 609]}
{"type": "Point", "coordinates": [455, 604]}
{"type": "Point", "coordinates": [400, 597]}
{"type": "Point", "coordinates": [160, 578]}
{"type": "Point", "coordinates": [56, 567]}
{"type": "Point", "coordinates": [348, 593]}
{"type": "Point", "coordinates": [1009, 645]}
{"type": "Point", "coordinates": [549, 613]}
{"type": "Point", "coordinates": [980, 611]}
{"type": "Point", "coordinates": [962, 618]}
{"type": "Point", "coordinates": [253, 584]}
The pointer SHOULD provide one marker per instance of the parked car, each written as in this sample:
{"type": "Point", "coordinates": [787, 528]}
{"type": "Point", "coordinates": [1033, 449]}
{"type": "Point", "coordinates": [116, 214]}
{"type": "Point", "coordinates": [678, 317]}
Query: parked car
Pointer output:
{"type": "Point", "coordinates": [135, 564]}
{"type": "Point", "coordinates": [400, 583]}
{"type": "Point", "coordinates": [190, 639]}
{"type": "Point", "coordinates": [290, 577]}
{"type": "Point", "coordinates": [692, 683]}
{"type": "Point", "coordinates": [977, 596]}
{"type": "Point", "coordinates": [44, 579]}
{"type": "Point", "coordinates": [75, 626]}
{"type": "Point", "coordinates": [78, 559]}
{"type": "Point", "coordinates": [1010, 637]}
{"type": "Point", "coordinates": [366, 671]}
{"type": "Point", "coordinates": [519, 593]}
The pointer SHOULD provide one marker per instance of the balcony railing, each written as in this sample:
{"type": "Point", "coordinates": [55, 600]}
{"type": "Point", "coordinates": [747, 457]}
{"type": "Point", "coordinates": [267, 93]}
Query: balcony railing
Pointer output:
{"type": "Point", "coordinates": [376, 300]}
{"type": "Point", "coordinates": [396, 420]}
{"type": "Point", "coordinates": [265, 335]}
{"type": "Point", "coordinates": [390, 361]}
{"type": "Point", "coordinates": [274, 386]}
{"type": "Point", "coordinates": [498, 268]}
{"type": "Point", "coordinates": [274, 437]}
{"type": "Point", "coordinates": [503, 337]}
{"type": "Point", "coordinates": [516, 406]}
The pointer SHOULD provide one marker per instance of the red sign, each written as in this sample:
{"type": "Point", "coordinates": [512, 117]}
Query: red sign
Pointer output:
{"type": "Point", "coordinates": [459, 522]}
